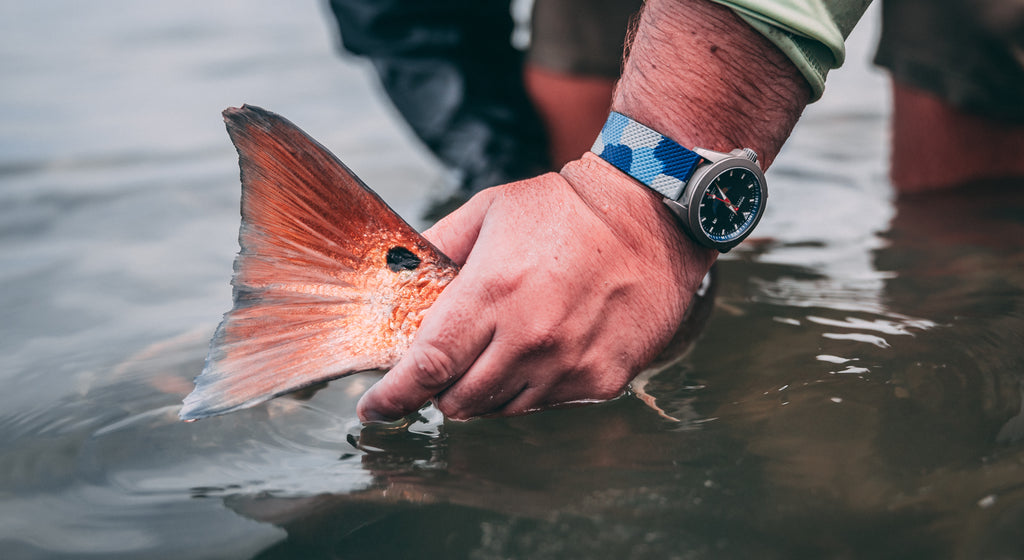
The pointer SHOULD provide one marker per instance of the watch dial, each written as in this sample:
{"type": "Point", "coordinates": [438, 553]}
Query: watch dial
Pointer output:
{"type": "Point", "coordinates": [730, 204]}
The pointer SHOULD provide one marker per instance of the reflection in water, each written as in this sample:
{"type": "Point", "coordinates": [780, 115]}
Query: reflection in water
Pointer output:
{"type": "Point", "coordinates": [874, 419]}
{"type": "Point", "coordinates": [856, 392]}
{"type": "Point", "coordinates": [922, 424]}
{"type": "Point", "coordinates": [915, 451]}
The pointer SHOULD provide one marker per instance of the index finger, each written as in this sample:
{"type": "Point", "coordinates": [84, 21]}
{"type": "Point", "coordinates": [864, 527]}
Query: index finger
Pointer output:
{"type": "Point", "coordinates": [448, 342]}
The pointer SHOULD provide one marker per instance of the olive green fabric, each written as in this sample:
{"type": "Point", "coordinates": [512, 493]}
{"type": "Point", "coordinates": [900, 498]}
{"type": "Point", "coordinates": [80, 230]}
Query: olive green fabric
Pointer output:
{"type": "Point", "coordinates": [810, 32]}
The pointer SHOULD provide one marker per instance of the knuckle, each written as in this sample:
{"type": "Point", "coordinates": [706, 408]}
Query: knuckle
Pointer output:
{"type": "Point", "coordinates": [611, 384]}
{"type": "Point", "coordinates": [434, 369]}
{"type": "Point", "coordinates": [607, 392]}
{"type": "Point", "coordinates": [460, 403]}
{"type": "Point", "coordinates": [603, 383]}
{"type": "Point", "coordinates": [545, 339]}
{"type": "Point", "coordinates": [499, 287]}
{"type": "Point", "coordinates": [452, 408]}
{"type": "Point", "coordinates": [541, 337]}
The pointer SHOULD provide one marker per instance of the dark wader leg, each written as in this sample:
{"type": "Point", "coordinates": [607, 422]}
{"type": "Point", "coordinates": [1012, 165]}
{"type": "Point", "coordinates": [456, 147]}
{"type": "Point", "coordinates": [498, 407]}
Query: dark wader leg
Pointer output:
{"type": "Point", "coordinates": [450, 70]}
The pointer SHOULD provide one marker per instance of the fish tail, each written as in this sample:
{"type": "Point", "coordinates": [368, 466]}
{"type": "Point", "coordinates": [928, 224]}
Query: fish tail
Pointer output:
{"type": "Point", "coordinates": [316, 292]}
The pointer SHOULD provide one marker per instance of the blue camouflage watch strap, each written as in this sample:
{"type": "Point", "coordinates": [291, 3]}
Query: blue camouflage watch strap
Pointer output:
{"type": "Point", "coordinates": [646, 155]}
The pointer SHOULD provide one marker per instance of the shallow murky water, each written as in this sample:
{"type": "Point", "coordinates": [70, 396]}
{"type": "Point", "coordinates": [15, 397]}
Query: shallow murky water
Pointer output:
{"type": "Point", "coordinates": [857, 391]}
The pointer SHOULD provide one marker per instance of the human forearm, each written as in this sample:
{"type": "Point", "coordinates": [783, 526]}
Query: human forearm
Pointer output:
{"type": "Point", "coordinates": [700, 75]}
{"type": "Point", "coordinates": [556, 269]}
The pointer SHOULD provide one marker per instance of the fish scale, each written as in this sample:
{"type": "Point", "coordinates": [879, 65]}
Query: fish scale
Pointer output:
{"type": "Point", "coordinates": [319, 252]}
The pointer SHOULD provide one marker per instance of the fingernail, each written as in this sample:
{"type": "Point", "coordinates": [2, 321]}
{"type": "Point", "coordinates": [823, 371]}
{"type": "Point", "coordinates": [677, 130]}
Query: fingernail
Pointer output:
{"type": "Point", "coordinates": [367, 414]}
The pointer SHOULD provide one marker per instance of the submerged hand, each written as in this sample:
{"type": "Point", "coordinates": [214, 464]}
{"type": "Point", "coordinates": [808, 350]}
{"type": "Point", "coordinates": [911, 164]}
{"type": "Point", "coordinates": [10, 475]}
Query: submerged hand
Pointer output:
{"type": "Point", "coordinates": [571, 283]}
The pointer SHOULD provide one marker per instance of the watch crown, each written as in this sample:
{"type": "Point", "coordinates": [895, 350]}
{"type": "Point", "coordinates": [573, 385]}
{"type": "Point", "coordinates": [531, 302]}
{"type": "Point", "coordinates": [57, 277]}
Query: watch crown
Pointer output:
{"type": "Point", "coordinates": [750, 154]}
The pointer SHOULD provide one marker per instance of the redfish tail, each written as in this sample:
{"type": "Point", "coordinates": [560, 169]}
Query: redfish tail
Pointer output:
{"type": "Point", "coordinates": [328, 280]}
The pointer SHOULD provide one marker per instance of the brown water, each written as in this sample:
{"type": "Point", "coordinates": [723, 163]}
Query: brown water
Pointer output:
{"type": "Point", "coordinates": [857, 392]}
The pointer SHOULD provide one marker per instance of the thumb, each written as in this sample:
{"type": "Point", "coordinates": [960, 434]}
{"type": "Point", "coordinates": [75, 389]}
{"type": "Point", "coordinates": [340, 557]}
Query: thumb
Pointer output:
{"type": "Point", "coordinates": [456, 234]}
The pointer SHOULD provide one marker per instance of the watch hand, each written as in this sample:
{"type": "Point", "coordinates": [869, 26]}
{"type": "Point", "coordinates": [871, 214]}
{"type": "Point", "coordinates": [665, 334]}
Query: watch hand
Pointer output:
{"type": "Point", "coordinates": [735, 209]}
{"type": "Point", "coordinates": [727, 203]}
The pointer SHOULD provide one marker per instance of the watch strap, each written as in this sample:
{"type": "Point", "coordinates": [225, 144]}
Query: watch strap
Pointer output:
{"type": "Point", "coordinates": [646, 155]}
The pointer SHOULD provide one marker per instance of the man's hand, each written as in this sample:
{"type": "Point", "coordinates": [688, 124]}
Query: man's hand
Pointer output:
{"type": "Point", "coordinates": [571, 283]}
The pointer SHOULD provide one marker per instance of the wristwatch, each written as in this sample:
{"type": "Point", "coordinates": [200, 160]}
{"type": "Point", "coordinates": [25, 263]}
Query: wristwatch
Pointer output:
{"type": "Point", "coordinates": [718, 197]}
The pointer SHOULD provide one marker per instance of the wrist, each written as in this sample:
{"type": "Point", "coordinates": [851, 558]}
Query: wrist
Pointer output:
{"type": "Point", "coordinates": [637, 214]}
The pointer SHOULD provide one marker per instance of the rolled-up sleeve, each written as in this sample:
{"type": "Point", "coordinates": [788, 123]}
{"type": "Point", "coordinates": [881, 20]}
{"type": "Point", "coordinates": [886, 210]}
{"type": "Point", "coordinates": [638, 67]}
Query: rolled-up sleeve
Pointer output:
{"type": "Point", "coordinates": [812, 33]}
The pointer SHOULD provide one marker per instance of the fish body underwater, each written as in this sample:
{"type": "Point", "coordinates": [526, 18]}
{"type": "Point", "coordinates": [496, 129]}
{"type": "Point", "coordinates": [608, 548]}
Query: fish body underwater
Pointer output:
{"type": "Point", "coordinates": [328, 281]}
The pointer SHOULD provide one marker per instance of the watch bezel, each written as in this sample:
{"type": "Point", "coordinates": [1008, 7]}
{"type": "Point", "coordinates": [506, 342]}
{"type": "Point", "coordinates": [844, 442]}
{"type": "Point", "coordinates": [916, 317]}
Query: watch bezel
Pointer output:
{"type": "Point", "coordinates": [688, 205]}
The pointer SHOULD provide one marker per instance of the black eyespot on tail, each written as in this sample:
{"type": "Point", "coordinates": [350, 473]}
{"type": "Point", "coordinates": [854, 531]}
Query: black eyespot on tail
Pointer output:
{"type": "Point", "coordinates": [400, 258]}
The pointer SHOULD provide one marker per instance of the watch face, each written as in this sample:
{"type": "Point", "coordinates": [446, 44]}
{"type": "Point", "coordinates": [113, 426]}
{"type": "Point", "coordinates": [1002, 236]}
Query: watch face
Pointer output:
{"type": "Point", "coordinates": [730, 205]}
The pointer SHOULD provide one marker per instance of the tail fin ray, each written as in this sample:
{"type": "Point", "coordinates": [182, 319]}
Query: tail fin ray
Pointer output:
{"type": "Point", "coordinates": [313, 296]}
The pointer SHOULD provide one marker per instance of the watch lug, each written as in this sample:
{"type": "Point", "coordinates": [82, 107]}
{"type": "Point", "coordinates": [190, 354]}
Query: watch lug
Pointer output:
{"type": "Point", "coordinates": [682, 214]}
{"type": "Point", "coordinates": [713, 156]}
{"type": "Point", "coordinates": [710, 155]}
{"type": "Point", "coordinates": [678, 209]}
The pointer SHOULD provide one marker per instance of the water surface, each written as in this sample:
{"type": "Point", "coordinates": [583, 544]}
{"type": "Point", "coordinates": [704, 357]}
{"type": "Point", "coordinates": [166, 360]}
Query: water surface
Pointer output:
{"type": "Point", "coordinates": [855, 393]}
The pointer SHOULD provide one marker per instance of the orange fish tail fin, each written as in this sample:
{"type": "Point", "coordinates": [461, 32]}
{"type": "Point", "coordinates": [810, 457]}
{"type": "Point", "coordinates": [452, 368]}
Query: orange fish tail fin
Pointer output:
{"type": "Point", "coordinates": [328, 280]}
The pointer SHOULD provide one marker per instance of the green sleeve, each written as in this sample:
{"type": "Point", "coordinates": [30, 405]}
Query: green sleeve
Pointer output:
{"type": "Point", "coordinates": [810, 32]}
